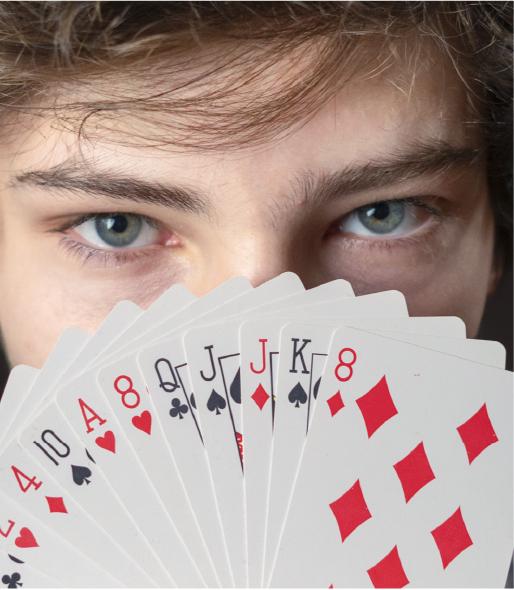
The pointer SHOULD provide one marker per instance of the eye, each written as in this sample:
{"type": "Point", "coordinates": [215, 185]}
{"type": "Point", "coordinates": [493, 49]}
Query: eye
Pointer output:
{"type": "Point", "coordinates": [386, 218]}
{"type": "Point", "coordinates": [118, 230]}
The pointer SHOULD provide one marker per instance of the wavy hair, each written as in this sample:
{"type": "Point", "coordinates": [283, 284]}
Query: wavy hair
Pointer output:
{"type": "Point", "coordinates": [211, 54]}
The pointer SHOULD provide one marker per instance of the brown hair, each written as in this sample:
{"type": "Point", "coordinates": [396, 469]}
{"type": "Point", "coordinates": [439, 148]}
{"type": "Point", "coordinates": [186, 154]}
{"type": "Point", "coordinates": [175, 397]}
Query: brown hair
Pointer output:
{"type": "Point", "coordinates": [211, 52]}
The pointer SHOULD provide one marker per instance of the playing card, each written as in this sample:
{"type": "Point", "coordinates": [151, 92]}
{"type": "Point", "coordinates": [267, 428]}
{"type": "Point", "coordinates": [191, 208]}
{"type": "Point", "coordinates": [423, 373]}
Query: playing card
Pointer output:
{"type": "Point", "coordinates": [98, 545]}
{"type": "Point", "coordinates": [121, 383]}
{"type": "Point", "coordinates": [61, 457]}
{"type": "Point", "coordinates": [129, 401]}
{"type": "Point", "coordinates": [29, 543]}
{"type": "Point", "coordinates": [23, 481]}
{"type": "Point", "coordinates": [62, 362]}
{"type": "Point", "coordinates": [124, 374]}
{"type": "Point", "coordinates": [122, 315]}
{"type": "Point", "coordinates": [163, 367]}
{"type": "Point", "coordinates": [399, 470]}
{"type": "Point", "coordinates": [300, 368]}
{"type": "Point", "coordinates": [14, 574]}
{"type": "Point", "coordinates": [217, 440]}
{"type": "Point", "coordinates": [97, 429]}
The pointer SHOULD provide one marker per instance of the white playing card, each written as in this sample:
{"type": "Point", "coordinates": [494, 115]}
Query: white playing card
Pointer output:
{"type": "Point", "coordinates": [128, 399]}
{"type": "Point", "coordinates": [115, 325]}
{"type": "Point", "coordinates": [14, 574]}
{"type": "Point", "coordinates": [259, 361]}
{"type": "Point", "coordinates": [63, 361]}
{"type": "Point", "coordinates": [64, 458]}
{"type": "Point", "coordinates": [122, 315]}
{"type": "Point", "coordinates": [375, 517]}
{"type": "Point", "coordinates": [299, 382]}
{"type": "Point", "coordinates": [96, 544]}
{"type": "Point", "coordinates": [97, 428]}
{"type": "Point", "coordinates": [29, 543]}
{"type": "Point", "coordinates": [286, 448]}
{"type": "Point", "coordinates": [257, 390]}
{"type": "Point", "coordinates": [23, 480]}
{"type": "Point", "coordinates": [62, 365]}
{"type": "Point", "coordinates": [173, 403]}
{"type": "Point", "coordinates": [221, 427]}
{"type": "Point", "coordinates": [258, 443]}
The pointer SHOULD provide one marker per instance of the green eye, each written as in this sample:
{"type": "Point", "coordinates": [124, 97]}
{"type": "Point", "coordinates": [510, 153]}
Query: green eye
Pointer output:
{"type": "Point", "coordinates": [119, 230]}
{"type": "Point", "coordinates": [383, 217]}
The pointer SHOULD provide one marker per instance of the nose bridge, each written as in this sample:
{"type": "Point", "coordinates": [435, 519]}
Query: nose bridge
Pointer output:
{"type": "Point", "coordinates": [257, 255]}
{"type": "Point", "coordinates": [252, 236]}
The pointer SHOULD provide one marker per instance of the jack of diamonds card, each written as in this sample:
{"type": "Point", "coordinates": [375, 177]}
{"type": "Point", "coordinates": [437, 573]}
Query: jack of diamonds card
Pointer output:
{"type": "Point", "coordinates": [259, 345]}
{"type": "Point", "coordinates": [406, 475]}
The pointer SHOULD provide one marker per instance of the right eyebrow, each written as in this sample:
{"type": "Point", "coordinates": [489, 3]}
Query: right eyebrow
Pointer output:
{"type": "Point", "coordinates": [69, 177]}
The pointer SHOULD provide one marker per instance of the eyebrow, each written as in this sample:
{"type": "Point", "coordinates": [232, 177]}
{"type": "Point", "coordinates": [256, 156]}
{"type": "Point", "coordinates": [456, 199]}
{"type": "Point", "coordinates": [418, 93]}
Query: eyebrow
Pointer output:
{"type": "Point", "coordinates": [73, 177]}
{"type": "Point", "coordinates": [416, 159]}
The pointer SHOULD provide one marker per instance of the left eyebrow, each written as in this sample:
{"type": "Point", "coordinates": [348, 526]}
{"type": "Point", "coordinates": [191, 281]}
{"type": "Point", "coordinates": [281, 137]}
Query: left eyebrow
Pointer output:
{"type": "Point", "coordinates": [417, 159]}
{"type": "Point", "coordinates": [75, 177]}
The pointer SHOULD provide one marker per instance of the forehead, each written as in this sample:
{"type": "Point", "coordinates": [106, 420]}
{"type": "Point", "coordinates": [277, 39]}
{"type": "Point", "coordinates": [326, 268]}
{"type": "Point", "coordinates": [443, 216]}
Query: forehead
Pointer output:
{"type": "Point", "coordinates": [387, 101]}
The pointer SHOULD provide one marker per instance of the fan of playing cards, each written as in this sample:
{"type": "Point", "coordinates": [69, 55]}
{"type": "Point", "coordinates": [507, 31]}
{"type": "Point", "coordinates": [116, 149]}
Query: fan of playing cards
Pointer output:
{"type": "Point", "coordinates": [270, 436]}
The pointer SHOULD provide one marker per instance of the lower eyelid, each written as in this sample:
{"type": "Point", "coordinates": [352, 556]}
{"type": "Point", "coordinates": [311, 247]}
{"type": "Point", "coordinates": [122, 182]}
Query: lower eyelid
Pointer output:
{"type": "Point", "coordinates": [420, 235]}
{"type": "Point", "coordinates": [104, 258]}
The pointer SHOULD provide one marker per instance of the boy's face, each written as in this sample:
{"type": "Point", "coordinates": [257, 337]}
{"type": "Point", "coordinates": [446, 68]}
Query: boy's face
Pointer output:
{"type": "Point", "coordinates": [303, 204]}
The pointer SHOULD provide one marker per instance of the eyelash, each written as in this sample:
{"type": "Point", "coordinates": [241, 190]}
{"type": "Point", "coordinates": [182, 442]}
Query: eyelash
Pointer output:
{"type": "Point", "coordinates": [106, 258]}
{"type": "Point", "coordinates": [114, 257]}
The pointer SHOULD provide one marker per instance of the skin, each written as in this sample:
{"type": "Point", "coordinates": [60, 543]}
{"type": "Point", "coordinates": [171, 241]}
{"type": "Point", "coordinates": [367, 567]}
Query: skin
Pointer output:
{"type": "Point", "coordinates": [254, 225]}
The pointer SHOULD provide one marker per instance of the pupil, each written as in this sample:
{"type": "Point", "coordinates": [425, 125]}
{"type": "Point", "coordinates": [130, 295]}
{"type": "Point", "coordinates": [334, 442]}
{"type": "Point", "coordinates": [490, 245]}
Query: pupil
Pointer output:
{"type": "Point", "coordinates": [118, 224]}
{"type": "Point", "coordinates": [380, 211]}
